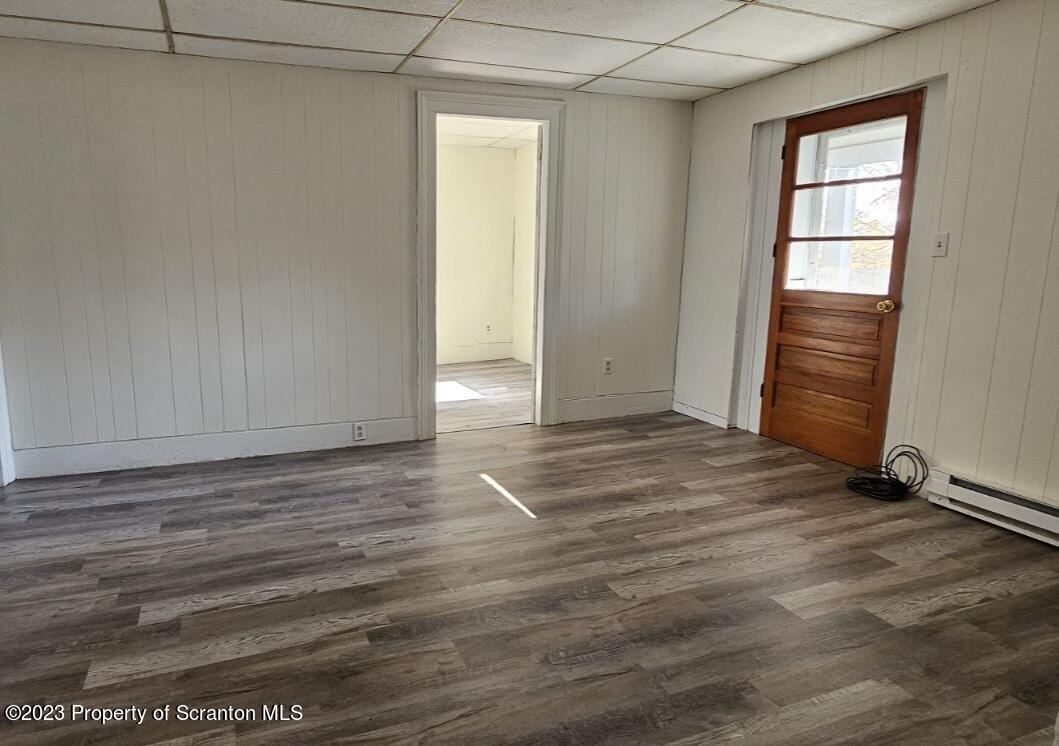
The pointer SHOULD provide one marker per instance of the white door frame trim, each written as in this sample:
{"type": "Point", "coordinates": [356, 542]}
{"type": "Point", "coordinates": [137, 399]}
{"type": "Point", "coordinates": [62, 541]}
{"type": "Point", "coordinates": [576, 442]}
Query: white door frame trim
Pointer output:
{"type": "Point", "coordinates": [551, 114]}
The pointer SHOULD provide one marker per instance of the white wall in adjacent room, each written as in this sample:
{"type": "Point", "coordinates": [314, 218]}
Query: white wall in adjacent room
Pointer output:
{"type": "Point", "coordinates": [976, 375]}
{"type": "Point", "coordinates": [475, 253]}
{"type": "Point", "coordinates": [524, 270]}
{"type": "Point", "coordinates": [200, 247]}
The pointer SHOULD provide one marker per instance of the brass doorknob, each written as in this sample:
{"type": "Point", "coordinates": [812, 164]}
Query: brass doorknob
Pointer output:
{"type": "Point", "coordinates": [885, 306]}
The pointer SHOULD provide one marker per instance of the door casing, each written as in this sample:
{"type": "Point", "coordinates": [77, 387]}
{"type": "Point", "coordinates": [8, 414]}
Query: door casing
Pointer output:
{"type": "Point", "coordinates": [551, 114]}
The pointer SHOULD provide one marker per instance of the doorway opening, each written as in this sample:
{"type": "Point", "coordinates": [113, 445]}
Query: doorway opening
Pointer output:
{"type": "Point", "coordinates": [548, 116]}
{"type": "Point", "coordinates": [844, 215]}
{"type": "Point", "coordinates": [486, 266]}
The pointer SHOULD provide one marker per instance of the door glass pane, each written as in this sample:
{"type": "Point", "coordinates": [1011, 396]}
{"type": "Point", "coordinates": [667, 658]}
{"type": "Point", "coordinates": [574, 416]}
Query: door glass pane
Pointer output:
{"type": "Point", "coordinates": [857, 152]}
{"type": "Point", "coordinates": [866, 209]}
{"type": "Point", "coordinates": [840, 266]}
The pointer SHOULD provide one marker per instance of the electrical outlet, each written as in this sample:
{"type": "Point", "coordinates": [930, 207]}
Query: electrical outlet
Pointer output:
{"type": "Point", "coordinates": [608, 366]}
{"type": "Point", "coordinates": [360, 431]}
{"type": "Point", "coordinates": [488, 328]}
{"type": "Point", "coordinates": [941, 245]}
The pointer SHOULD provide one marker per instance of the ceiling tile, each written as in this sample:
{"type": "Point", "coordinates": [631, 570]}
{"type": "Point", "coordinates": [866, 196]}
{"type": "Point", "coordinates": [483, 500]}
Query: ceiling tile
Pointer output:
{"type": "Point", "coordinates": [287, 55]}
{"type": "Point", "coordinates": [436, 8]}
{"type": "Point", "coordinates": [646, 89]}
{"type": "Point", "coordinates": [637, 20]}
{"type": "Point", "coordinates": [136, 13]}
{"type": "Point", "coordinates": [465, 140]}
{"type": "Point", "coordinates": [902, 14]}
{"type": "Point", "coordinates": [667, 65]}
{"type": "Point", "coordinates": [492, 73]}
{"type": "Point", "coordinates": [779, 35]}
{"type": "Point", "coordinates": [490, 127]}
{"type": "Point", "coordinates": [512, 144]}
{"type": "Point", "coordinates": [300, 23]}
{"type": "Point", "coordinates": [69, 32]}
{"type": "Point", "coordinates": [545, 50]}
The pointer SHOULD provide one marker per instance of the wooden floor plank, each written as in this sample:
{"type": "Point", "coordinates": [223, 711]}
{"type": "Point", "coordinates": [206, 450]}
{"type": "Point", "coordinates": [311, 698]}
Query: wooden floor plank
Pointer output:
{"type": "Point", "coordinates": [679, 584]}
{"type": "Point", "coordinates": [507, 390]}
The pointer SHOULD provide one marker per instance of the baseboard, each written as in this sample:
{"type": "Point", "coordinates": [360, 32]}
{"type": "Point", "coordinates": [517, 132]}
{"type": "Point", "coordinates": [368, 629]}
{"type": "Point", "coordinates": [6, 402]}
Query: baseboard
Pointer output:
{"type": "Point", "coordinates": [700, 414]}
{"type": "Point", "coordinates": [187, 449]}
{"type": "Point", "coordinates": [613, 405]}
{"type": "Point", "coordinates": [474, 353]}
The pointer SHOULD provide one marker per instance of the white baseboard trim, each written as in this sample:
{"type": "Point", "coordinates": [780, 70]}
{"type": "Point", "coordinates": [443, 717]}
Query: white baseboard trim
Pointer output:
{"type": "Point", "coordinates": [700, 414]}
{"type": "Point", "coordinates": [474, 353]}
{"type": "Point", "coordinates": [613, 405]}
{"type": "Point", "coordinates": [187, 449]}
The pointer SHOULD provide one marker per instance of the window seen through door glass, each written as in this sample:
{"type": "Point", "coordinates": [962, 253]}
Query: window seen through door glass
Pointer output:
{"type": "Point", "coordinates": [864, 211]}
{"type": "Point", "coordinates": [840, 266]}
{"type": "Point", "coordinates": [858, 152]}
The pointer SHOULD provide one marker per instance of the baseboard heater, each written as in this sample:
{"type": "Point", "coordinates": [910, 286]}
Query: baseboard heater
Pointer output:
{"type": "Point", "coordinates": [1020, 514]}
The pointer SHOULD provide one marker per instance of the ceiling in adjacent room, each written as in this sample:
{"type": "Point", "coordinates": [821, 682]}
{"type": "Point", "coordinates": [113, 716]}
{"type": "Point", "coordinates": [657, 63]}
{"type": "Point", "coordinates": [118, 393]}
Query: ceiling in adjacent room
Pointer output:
{"type": "Point", "coordinates": [486, 132]}
{"type": "Point", "coordinates": [680, 49]}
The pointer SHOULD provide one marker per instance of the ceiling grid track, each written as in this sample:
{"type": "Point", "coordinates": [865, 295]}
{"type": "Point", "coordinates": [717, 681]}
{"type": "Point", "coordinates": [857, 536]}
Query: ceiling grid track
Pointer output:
{"type": "Point", "coordinates": [167, 25]}
{"type": "Point", "coordinates": [589, 46]}
{"type": "Point", "coordinates": [428, 37]}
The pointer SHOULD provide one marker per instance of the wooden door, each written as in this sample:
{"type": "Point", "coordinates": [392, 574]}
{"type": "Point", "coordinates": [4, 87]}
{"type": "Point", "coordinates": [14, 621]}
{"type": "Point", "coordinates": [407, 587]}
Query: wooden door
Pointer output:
{"type": "Point", "coordinates": [845, 205]}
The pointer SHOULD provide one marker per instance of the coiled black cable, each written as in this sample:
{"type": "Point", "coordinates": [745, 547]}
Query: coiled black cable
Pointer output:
{"type": "Point", "coordinates": [884, 482]}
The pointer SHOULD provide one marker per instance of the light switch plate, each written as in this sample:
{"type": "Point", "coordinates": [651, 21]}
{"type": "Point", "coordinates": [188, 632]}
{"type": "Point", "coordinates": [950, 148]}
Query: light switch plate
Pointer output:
{"type": "Point", "coordinates": [941, 244]}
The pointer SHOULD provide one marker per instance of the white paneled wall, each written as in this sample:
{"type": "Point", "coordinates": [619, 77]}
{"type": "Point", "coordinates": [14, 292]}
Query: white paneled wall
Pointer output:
{"type": "Point", "coordinates": [197, 246]}
{"type": "Point", "coordinates": [983, 394]}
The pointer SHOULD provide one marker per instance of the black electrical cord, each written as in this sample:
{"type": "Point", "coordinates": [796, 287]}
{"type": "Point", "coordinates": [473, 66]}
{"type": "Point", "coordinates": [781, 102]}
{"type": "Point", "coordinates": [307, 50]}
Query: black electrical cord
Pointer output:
{"type": "Point", "coordinates": [884, 482]}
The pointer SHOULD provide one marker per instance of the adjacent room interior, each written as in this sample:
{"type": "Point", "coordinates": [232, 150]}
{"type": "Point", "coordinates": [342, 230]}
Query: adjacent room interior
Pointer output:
{"type": "Point", "coordinates": [486, 271]}
{"type": "Point", "coordinates": [474, 372]}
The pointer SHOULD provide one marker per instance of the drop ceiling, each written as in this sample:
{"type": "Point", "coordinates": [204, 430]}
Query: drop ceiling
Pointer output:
{"type": "Point", "coordinates": [679, 49]}
{"type": "Point", "coordinates": [486, 132]}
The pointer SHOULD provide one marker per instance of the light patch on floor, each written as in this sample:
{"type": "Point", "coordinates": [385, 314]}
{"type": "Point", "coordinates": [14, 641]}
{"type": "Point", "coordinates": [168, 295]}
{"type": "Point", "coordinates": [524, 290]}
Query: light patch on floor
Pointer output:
{"type": "Point", "coordinates": [454, 391]}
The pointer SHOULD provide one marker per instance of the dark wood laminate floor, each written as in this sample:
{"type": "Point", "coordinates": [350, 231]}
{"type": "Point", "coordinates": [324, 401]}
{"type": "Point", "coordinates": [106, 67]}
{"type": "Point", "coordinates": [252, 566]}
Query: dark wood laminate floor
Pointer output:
{"type": "Point", "coordinates": [507, 386]}
{"type": "Point", "coordinates": [680, 584]}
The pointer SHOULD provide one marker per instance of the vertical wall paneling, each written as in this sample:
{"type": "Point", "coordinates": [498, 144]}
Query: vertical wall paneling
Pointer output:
{"type": "Point", "coordinates": [141, 239]}
{"type": "Point", "coordinates": [31, 268]}
{"type": "Point", "coordinates": [60, 163]}
{"type": "Point", "coordinates": [979, 394]}
{"type": "Point", "coordinates": [626, 265]}
{"type": "Point", "coordinates": [361, 211]}
{"type": "Point", "coordinates": [218, 102]}
{"type": "Point", "coordinates": [1029, 248]}
{"type": "Point", "coordinates": [191, 119]}
{"type": "Point", "coordinates": [389, 252]}
{"type": "Point", "coordinates": [575, 234]}
{"type": "Point", "coordinates": [108, 251]}
{"type": "Point", "coordinates": [298, 246]}
{"type": "Point", "coordinates": [592, 293]}
{"type": "Point", "coordinates": [195, 247]}
{"type": "Point", "coordinates": [407, 169]}
{"type": "Point", "coordinates": [1033, 244]}
{"type": "Point", "coordinates": [175, 225]}
{"type": "Point", "coordinates": [996, 160]}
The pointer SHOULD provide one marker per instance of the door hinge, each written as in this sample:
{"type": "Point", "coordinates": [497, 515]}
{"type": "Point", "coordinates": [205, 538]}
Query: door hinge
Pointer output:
{"type": "Point", "coordinates": [761, 393]}
{"type": "Point", "coordinates": [783, 153]}
{"type": "Point", "coordinates": [774, 249]}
